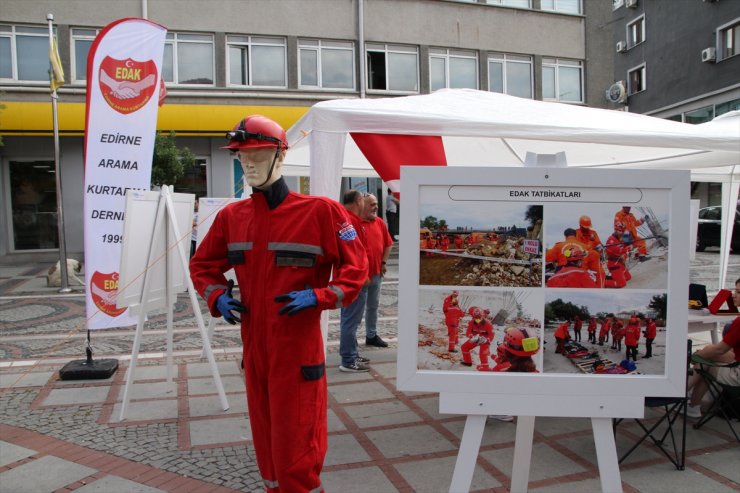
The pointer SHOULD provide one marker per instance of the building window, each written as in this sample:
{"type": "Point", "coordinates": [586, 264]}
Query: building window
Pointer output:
{"type": "Point", "coordinates": [522, 4]}
{"type": "Point", "coordinates": [562, 80]}
{"type": "Point", "coordinates": [636, 32]}
{"type": "Point", "coordinates": [82, 40]}
{"type": "Point", "coordinates": [510, 74]}
{"type": "Point", "coordinates": [256, 61]}
{"type": "Point", "coordinates": [33, 201]}
{"type": "Point", "coordinates": [326, 64]}
{"type": "Point", "coordinates": [562, 6]}
{"type": "Point", "coordinates": [728, 40]}
{"type": "Point", "coordinates": [636, 80]}
{"type": "Point", "coordinates": [24, 53]}
{"type": "Point", "coordinates": [701, 115]}
{"type": "Point", "coordinates": [722, 108]}
{"type": "Point", "coordinates": [456, 69]}
{"type": "Point", "coordinates": [392, 68]}
{"type": "Point", "coordinates": [188, 59]}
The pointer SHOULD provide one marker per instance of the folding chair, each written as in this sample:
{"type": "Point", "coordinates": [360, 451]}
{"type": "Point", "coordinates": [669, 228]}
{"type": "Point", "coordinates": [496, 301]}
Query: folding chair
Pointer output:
{"type": "Point", "coordinates": [672, 409]}
{"type": "Point", "coordinates": [726, 403]}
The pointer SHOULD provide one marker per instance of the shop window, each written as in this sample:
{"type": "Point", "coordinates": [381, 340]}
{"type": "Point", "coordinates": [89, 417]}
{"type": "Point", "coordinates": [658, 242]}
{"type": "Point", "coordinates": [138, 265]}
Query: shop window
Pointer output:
{"type": "Point", "coordinates": [455, 69]}
{"type": "Point", "coordinates": [195, 179]}
{"type": "Point", "coordinates": [392, 68]}
{"type": "Point", "coordinates": [510, 74]}
{"type": "Point", "coordinates": [188, 59]}
{"type": "Point", "coordinates": [24, 53]}
{"type": "Point", "coordinates": [257, 61]}
{"type": "Point", "coordinates": [326, 64]}
{"type": "Point", "coordinates": [33, 202]}
{"type": "Point", "coordinates": [562, 80]}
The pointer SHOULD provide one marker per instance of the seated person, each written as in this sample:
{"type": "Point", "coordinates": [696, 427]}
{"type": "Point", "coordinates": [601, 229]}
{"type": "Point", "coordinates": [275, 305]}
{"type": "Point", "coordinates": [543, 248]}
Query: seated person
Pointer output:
{"type": "Point", "coordinates": [726, 351]}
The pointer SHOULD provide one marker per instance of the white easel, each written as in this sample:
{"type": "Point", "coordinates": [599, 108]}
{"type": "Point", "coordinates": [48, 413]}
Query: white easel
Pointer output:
{"type": "Point", "coordinates": [165, 224]}
{"type": "Point", "coordinates": [601, 410]}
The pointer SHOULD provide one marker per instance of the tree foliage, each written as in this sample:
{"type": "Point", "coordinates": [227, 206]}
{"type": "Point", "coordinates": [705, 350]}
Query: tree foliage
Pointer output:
{"type": "Point", "coordinates": [659, 303]}
{"type": "Point", "coordinates": [169, 162]}
{"type": "Point", "coordinates": [560, 310]}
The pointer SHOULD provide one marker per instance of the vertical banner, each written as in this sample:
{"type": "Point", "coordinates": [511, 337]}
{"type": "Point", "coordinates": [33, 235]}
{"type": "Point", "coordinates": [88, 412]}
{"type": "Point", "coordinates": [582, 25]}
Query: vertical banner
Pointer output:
{"type": "Point", "coordinates": [123, 84]}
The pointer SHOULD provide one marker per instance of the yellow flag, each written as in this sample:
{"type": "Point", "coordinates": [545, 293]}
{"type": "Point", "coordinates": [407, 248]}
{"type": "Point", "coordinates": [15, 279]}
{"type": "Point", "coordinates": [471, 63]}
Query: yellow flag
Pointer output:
{"type": "Point", "coordinates": [57, 72]}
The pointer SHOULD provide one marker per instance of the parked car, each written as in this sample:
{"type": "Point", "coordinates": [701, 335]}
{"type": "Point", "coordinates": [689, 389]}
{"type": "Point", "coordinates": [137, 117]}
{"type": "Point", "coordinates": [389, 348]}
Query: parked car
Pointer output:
{"type": "Point", "coordinates": [708, 230]}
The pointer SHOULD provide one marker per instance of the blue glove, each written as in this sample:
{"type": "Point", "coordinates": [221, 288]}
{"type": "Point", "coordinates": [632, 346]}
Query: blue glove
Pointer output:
{"type": "Point", "coordinates": [299, 300]}
{"type": "Point", "coordinates": [627, 238]}
{"type": "Point", "coordinates": [226, 303]}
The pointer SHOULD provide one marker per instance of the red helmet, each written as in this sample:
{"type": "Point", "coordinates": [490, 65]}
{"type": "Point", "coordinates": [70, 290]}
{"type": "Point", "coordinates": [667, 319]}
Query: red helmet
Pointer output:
{"type": "Point", "coordinates": [619, 226]}
{"type": "Point", "coordinates": [476, 313]}
{"type": "Point", "coordinates": [455, 293]}
{"type": "Point", "coordinates": [519, 343]}
{"type": "Point", "coordinates": [571, 252]}
{"type": "Point", "coordinates": [585, 222]}
{"type": "Point", "coordinates": [256, 131]}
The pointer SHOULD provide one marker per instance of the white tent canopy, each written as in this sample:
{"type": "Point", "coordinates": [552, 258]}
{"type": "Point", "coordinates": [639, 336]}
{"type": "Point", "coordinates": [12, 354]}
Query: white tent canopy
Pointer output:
{"type": "Point", "coordinates": [481, 128]}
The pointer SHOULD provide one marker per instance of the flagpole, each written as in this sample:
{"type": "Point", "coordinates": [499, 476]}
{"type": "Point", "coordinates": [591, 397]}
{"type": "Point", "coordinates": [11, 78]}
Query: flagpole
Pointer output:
{"type": "Point", "coordinates": [57, 171]}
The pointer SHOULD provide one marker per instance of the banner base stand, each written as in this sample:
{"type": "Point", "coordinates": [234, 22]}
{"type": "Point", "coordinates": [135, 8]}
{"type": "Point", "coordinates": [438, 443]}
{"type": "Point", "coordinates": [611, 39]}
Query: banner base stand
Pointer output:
{"type": "Point", "coordinates": [84, 369]}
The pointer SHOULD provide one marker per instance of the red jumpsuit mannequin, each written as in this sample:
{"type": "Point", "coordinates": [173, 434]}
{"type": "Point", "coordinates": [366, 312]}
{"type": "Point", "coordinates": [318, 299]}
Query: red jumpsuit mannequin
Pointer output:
{"type": "Point", "coordinates": [480, 334]}
{"type": "Point", "coordinates": [280, 242]}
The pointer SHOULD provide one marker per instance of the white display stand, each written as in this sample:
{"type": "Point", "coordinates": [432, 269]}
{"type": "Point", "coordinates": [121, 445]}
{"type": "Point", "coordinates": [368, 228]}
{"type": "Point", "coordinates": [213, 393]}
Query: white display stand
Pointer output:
{"type": "Point", "coordinates": [152, 229]}
{"type": "Point", "coordinates": [463, 195]}
{"type": "Point", "coordinates": [208, 208]}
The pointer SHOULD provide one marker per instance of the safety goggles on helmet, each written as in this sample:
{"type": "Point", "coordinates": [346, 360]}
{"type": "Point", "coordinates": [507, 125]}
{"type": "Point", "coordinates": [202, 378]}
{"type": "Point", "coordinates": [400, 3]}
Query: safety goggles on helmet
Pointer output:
{"type": "Point", "coordinates": [235, 136]}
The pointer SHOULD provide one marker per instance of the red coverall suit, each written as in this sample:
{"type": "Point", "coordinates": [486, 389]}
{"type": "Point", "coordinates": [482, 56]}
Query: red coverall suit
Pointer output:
{"type": "Point", "coordinates": [458, 242]}
{"type": "Point", "coordinates": [616, 253]}
{"type": "Point", "coordinates": [452, 320]}
{"type": "Point", "coordinates": [631, 223]}
{"type": "Point", "coordinates": [592, 330]}
{"type": "Point", "coordinates": [591, 239]}
{"type": "Point", "coordinates": [604, 331]}
{"type": "Point", "coordinates": [572, 277]}
{"type": "Point", "coordinates": [562, 334]}
{"type": "Point", "coordinates": [632, 337]}
{"type": "Point", "coordinates": [478, 334]}
{"type": "Point", "coordinates": [275, 251]}
{"type": "Point", "coordinates": [651, 330]}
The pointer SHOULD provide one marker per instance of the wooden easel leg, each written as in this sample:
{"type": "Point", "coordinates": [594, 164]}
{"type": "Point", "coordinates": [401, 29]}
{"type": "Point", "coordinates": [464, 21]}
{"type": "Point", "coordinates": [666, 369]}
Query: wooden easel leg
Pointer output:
{"type": "Point", "coordinates": [522, 454]}
{"type": "Point", "coordinates": [606, 453]}
{"type": "Point", "coordinates": [467, 456]}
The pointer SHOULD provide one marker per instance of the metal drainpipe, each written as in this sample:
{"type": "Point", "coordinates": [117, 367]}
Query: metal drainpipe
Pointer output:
{"type": "Point", "coordinates": [361, 44]}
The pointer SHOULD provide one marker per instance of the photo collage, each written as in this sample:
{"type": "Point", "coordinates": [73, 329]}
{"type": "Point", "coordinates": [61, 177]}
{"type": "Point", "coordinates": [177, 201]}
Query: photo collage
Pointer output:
{"type": "Point", "coordinates": [563, 287]}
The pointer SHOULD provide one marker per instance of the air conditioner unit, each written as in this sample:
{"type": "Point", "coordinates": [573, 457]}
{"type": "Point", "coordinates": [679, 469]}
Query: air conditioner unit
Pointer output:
{"type": "Point", "coordinates": [709, 55]}
{"type": "Point", "coordinates": [617, 92]}
{"type": "Point", "coordinates": [631, 4]}
{"type": "Point", "coordinates": [621, 46]}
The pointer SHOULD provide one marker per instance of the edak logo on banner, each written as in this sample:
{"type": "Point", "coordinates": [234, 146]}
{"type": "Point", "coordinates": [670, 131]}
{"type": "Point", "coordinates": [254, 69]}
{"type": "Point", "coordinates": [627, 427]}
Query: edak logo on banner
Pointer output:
{"type": "Point", "coordinates": [127, 85]}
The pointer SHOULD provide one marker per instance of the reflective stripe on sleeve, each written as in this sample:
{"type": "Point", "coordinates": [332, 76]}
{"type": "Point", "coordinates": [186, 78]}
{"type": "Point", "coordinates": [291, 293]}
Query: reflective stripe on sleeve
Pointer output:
{"type": "Point", "coordinates": [340, 295]}
{"type": "Point", "coordinates": [210, 289]}
{"type": "Point", "coordinates": [245, 245]}
{"type": "Point", "coordinates": [296, 247]}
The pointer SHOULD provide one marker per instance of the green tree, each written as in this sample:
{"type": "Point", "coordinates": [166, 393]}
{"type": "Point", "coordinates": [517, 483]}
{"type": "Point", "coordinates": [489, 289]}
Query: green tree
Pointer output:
{"type": "Point", "coordinates": [169, 162]}
{"type": "Point", "coordinates": [659, 303]}
{"type": "Point", "coordinates": [533, 214]}
{"type": "Point", "coordinates": [430, 222]}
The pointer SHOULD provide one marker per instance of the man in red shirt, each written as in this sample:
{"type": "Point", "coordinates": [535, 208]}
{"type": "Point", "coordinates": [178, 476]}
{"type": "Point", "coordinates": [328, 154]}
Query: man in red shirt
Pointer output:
{"type": "Point", "coordinates": [562, 334]}
{"type": "Point", "coordinates": [379, 244]}
{"type": "Point", "coordinates": [294, 255]}
{"type": "Point", "coordinates": [727, 351]}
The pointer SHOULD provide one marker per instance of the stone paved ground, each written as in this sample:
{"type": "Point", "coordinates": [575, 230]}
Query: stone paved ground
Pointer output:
{"type": "Point", "coordinates": [64, 436]}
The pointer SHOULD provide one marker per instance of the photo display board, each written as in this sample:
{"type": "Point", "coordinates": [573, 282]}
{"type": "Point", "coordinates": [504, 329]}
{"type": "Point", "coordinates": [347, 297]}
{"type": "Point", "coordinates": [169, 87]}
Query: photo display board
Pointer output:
{"type": "Point", "coordinates": [504, 272]}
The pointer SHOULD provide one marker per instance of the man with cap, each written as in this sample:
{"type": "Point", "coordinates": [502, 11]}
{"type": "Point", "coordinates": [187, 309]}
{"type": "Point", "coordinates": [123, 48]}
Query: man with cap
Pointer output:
{"type": "Point", "coordinates": [283, 247]}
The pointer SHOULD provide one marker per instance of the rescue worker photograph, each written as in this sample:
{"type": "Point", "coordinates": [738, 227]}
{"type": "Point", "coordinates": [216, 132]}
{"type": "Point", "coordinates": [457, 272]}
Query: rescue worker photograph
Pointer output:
{"type": "Point", "coordinates": [293, 255]}
{"type": "Point", "coordinates": [610, 254]}
{"type": "Point", "coordinates": [615, 319]}
{"type": "Point", "coordinates": [516, 352]}
{"type": "Point", "coordinates": [458, 329]}
{"type": "Point", "coordinates": [571, 264]}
